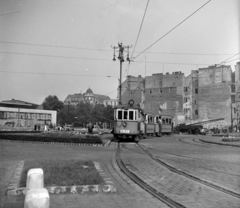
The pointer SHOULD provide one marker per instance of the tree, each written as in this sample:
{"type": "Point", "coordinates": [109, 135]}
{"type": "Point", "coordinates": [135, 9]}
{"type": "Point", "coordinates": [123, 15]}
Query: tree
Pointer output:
{"type": "Point", "coordinates": [66, 115]}
{"type": "Point", "coordinates": [52, 103]}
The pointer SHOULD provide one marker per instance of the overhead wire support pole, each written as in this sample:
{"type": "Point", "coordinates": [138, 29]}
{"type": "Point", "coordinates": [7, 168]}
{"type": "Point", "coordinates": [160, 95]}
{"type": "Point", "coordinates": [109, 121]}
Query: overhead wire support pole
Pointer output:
{"type": "Point", "coordinates": [120, 57]}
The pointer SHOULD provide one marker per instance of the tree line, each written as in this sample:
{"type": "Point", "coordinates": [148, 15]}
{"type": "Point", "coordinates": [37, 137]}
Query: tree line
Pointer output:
{"type": "Point", "coordinates": [79, 115]}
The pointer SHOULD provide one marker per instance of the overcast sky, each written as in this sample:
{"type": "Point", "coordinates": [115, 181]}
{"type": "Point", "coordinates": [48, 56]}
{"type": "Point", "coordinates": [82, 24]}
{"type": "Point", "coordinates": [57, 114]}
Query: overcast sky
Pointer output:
{"type": "Point", "coordinates": [61, 47]}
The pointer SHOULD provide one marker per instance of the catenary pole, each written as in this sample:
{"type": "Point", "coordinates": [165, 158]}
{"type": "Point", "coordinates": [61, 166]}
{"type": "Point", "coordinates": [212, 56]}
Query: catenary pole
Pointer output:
{"type": "Point", "coordinates": [120, 57]}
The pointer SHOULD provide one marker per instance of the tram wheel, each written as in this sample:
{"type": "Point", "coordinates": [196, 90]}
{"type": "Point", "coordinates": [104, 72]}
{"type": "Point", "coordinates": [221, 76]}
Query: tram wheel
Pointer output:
{"type": "Point", "coordinates": [158, 134]}
{"type": "Point", "coordinates": [138, 138]}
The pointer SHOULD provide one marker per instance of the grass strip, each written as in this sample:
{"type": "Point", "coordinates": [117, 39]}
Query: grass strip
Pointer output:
{"type": "Point", "coordinates": [64, 172]}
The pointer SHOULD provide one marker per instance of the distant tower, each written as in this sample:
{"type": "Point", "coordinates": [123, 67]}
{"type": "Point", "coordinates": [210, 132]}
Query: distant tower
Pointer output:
{"type": "Point", "coordinates": [88, 96]}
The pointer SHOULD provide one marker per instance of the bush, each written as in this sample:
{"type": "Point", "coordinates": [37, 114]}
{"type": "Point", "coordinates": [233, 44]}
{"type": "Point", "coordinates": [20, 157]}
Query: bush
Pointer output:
{"type": "Point", "coordinates": [232, 139]}
{"type": "Point", "coordinates": [89, 139]}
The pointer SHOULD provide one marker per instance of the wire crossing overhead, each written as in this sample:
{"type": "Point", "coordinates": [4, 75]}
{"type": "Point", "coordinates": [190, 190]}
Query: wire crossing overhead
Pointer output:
{"type": "Point", "coordinates": [140, 29]}
{"type": "Point", "coordinates": [106, 50]}
{"type": "Point", "coordinates": [173, 28]}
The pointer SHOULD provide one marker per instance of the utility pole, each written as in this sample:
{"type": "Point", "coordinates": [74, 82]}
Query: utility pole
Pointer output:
{"type": "Point", "coordinates": [121, 59]}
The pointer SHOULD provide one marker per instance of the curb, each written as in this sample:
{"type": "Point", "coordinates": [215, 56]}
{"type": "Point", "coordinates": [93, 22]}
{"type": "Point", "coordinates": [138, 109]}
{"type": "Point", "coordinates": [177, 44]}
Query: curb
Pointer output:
{"type": "Point", "coordinates": [89, 189]}
{"type": "Point", "coordinates": [13, 185]}
{"type": "Point", "coordinates": [13, 188]}
{"type": "Point", "coordinates": [218, 143]}
{"type": "Point", "coordinates": [58, 143]}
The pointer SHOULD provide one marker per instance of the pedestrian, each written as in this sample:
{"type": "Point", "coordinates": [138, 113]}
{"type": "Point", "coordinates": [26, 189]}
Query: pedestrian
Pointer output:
{"type": "Point", "coordinates": [90, 128]}
{"type": "Point", "coordinates": [45, 128]}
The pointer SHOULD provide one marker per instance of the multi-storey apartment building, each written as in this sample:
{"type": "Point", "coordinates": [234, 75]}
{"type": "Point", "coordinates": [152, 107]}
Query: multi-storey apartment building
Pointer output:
{"type": "Point", "coordinates": [214, 99]}
{"type": "Point", "coordinates": [190, 96]}
{"type": "Point", "coordinates": [205, 94]}
{"type": "Point", "coordinates": [235, 96]}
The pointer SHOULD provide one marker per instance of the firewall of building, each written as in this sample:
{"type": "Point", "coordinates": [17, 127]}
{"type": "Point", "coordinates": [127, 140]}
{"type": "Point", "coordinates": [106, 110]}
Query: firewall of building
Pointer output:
{"type": "Point", "coordinates": [205, 94]}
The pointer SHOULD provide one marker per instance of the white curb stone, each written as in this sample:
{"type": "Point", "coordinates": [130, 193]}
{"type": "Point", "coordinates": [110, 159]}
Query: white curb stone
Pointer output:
{"type": "Point", "coordinates": [35, 179]}
{"type": "Point", "coordinates": [37, 198]}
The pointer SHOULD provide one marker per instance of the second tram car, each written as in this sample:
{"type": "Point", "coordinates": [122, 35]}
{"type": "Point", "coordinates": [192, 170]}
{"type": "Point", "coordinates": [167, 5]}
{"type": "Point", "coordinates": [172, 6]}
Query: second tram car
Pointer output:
{"type": "Point", "coordinates": [130, 122]}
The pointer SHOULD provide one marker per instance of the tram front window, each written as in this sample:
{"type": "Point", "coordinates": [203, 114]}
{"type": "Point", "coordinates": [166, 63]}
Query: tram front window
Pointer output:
{"type": "Point", "coordinates": [119, 116]}
{"type": "Point", "coordinates": [131, 115]}
{"type": "Point", "coordinates": [125, 115]}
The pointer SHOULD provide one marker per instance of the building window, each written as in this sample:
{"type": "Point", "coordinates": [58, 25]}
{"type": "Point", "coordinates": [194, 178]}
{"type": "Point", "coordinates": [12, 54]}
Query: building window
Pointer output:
{"type": "Point", "coordinates": [233, 88]}
{"type": "Point", "coordinates": [233, 98]}
{"type": "Point", "coordinates": [160, 91]}
{"type": "Point", "coordinates": [196, 112]}
{"type": "Point", "coordinates": [195, 102]}
{"type": "Point", "coordinates": [150, 91]}
{"type": "Point", "coordinates": [196, 91]}
{"type": "Point", "coordinates": [2, 115]}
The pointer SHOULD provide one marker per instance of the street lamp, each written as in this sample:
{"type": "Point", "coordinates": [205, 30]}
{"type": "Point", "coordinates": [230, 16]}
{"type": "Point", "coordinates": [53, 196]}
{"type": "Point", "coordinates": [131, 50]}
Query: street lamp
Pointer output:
{"type": "Point", "coordinates": [121, 59]}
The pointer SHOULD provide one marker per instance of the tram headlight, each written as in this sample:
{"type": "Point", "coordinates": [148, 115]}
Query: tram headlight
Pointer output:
{"type": "Point", "coordinates": [124, 124]}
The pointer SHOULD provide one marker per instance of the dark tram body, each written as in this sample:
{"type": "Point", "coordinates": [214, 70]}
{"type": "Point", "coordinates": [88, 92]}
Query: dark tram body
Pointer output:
{"type": "Point", "coordinates": [130, 122]}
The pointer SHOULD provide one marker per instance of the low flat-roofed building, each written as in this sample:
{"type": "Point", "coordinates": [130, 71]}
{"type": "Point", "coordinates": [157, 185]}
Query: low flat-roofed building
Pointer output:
{"type": "Point", "coordinates": [21, 115]}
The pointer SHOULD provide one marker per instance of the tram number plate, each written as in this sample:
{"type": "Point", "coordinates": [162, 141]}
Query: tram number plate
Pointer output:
{"type": "Point", "coordinates": [124, 131]}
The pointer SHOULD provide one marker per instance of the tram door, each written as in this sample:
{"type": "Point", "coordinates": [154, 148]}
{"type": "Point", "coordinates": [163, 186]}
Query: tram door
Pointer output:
{"type": "Point", "coordinates": [150, 124]}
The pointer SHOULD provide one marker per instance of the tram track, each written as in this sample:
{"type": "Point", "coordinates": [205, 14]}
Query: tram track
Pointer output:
{"type": "Point", "coordinates": [171, 203]}
{"type": "Point", "coordinates": [189, 176]}
{"type": "Point", "coordinates": [199, 142]}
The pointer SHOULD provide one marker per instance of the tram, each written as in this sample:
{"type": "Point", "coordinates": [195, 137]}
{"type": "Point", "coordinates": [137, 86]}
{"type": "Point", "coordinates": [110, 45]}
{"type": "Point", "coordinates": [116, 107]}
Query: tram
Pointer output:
{"type": "Point", "coordinates": [130, 122]}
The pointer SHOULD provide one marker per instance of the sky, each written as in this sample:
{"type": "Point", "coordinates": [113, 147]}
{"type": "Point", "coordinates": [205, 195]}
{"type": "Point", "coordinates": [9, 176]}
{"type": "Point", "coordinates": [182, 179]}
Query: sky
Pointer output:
{"type": "Point", "coordinates": [61, 47]}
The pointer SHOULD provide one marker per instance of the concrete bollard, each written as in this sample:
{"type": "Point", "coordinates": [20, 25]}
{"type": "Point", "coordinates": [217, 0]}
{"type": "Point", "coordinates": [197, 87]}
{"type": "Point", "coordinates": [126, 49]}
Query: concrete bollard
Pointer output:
{"type": "Point", "coordinates": [35, 179]}
{"type": "Point", "coordinates": [37, 198]}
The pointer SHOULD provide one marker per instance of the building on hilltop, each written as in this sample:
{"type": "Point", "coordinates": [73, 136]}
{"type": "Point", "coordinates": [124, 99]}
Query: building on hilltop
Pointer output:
{"type": "Point", "coordinates": [87, 97]}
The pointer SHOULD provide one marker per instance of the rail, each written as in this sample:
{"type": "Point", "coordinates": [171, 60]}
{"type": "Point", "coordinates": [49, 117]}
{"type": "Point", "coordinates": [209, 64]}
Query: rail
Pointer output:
{"type": "Point", "coordinates": [145, 186]}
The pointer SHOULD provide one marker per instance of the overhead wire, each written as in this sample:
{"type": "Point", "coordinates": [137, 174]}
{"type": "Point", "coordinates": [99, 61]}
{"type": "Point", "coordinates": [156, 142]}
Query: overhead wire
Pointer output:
{"type": "Point", "coordinates": [92, 59]}
{"type": "Point", "coordinates": [52, 46]}
{"type": "Point", "coordinates": [54, 74]}
{"type": "Point", "coordinates": [138, 35]}
{"type": "Point", "coordinates": [53, 56]}
{"type": "Point", "coordinates": [173, 28]}
{"type": "Point", "coordinates": [107, 50]}
{"type": "Point", "coordinates": [230, 57]}
{"type": "Point", "coordinates": [140, 29]}
{"type": "Point", "coordinates": [231, 60]}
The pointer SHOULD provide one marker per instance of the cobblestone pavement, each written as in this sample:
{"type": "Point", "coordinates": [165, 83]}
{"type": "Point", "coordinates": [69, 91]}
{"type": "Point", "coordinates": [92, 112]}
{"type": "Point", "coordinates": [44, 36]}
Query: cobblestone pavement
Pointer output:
{"type": "Point", "coordinates": [128, 194]}
{"type": "Point", "coordinates": [214, 163]}
{"type": "Point", "coordinates": [174, 186]}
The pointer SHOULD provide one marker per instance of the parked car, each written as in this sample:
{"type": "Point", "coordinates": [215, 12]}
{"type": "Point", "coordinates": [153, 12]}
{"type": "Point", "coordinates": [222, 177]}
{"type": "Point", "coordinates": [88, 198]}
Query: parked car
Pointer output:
{"type": "Point", "coordinates": [203, 131]}
{"type": "Point", "coordinates": [68, 127]}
